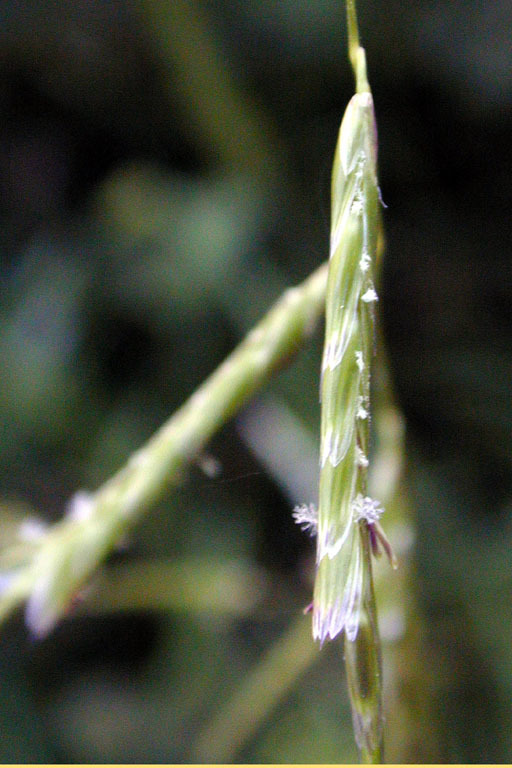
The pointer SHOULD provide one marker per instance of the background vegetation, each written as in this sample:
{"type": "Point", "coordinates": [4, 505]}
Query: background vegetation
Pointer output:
{"type": "Point", "coordinates": [164, 175]}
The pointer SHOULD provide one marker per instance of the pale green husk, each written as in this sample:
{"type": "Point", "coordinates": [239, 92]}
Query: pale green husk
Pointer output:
{"type": "Point", "coordinates": [346, 372]}
{"type": "Point", "coordinates": [347, 518]}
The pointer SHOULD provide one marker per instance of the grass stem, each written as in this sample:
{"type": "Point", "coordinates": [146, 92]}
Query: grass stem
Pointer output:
{"type": "Point", "coordinates": [68, 553]}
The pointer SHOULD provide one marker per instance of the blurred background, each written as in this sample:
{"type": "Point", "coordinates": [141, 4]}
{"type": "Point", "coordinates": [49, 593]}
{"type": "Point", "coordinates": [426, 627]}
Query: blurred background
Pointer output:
{"type": "Point", "coordinates": [164, 176]}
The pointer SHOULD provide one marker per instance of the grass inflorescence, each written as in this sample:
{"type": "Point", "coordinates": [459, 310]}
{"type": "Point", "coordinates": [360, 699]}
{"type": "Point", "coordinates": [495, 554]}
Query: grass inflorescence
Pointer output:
{"type": "Point", "coordinates": [348, 529]}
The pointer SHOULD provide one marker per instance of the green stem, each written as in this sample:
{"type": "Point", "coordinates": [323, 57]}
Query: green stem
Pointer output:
{"type": "Point", "coordinates": [353, 33]}
{"type": "Point", "coordinates": [364, 670]}
{"type": "Point", "coordinates": [356, 54]}
{"type": "Point", "coordinates": [229, 128]}
{"type": "Point", "coordinates": [265, 685]}
{"type": "Point", "coordinates": [373, 757]}
{"type": "Point", "coordinates": [72, 549]}
{"type": "Point", "coordinates": [274, 340]}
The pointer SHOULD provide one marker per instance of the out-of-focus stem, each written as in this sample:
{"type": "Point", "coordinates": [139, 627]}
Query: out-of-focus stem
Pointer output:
{"type": "Point", "coordinates": [233, 134]}
{"type": "Point", "coordinates": [72, 549]}
{"type": "Point", "coordinates": [251, 364]}
{"type": "Point", "coordinates": [266, 684]}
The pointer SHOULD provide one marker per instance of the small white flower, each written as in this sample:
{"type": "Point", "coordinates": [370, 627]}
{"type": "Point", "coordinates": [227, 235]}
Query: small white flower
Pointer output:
{"type": "Point", "coordinates": [359, 360]}
{"type": "Point", "coordinates": [307, 517]}
{"type": "Point", "coordinates": [361, 459]}
{"type": "Point", "coordinates": [366, 508]}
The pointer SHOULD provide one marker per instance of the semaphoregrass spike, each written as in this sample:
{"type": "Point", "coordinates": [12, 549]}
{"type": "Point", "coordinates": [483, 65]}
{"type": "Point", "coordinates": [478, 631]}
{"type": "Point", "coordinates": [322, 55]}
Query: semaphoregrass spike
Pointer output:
{"type": "Point", "coordinates": [344, 507]}
{"type": "Point", "coordinates": [347, 522]}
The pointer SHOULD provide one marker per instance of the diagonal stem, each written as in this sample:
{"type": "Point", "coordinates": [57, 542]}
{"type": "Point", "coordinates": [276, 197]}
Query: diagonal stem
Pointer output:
{"type": "Point", "coordinates": [70, 551]}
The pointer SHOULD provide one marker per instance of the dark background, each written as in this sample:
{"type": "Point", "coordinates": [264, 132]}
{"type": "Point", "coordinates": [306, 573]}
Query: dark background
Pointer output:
{"type": "Point", "coordinates": [164, 175]}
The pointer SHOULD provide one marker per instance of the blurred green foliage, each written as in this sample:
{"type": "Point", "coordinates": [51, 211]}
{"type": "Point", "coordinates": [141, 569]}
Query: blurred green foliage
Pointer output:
{"type": "Point", "coordinates": [164, 176]}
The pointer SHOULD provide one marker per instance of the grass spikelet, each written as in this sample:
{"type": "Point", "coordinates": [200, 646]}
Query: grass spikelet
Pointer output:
{"type": "Point", "coordinates": [345, 510]}
{"type": "Point", "coordinates": [348, 531]}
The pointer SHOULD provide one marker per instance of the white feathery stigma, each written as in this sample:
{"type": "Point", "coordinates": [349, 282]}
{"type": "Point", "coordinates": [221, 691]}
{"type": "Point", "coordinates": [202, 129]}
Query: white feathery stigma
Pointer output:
{"type": "Point", "coordinates": [366, 508]}
{"type": "Point", "coordinates": [306, 516]}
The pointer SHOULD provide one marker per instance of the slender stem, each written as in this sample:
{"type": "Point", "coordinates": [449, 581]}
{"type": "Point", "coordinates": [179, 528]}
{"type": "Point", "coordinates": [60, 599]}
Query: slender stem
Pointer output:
{"type": "Point", "coordinates": [259, 692]}
{"type": "Point", "coordinates": [251, 364]}
{"type": "Point", "coordinates": [71, 550]}
{"type": "Point", "coordinates": [373, 757]}
{"type": "Point", "coordinates": [229, 128]}
{"type": "Point", "coordinates": [353, 33]}
{"type": "Point", "coordinates": [374, 754]}
{"type": "Point", "coordinates": [364, 669]}
{"type": "Point", "coordinates": [356, 54]}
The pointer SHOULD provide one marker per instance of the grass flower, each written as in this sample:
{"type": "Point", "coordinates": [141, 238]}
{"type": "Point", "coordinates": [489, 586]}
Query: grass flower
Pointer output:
{"type": "Point", "coordinates": [347, 524]}
{"type": "Point", "coordinates": [345, 510]}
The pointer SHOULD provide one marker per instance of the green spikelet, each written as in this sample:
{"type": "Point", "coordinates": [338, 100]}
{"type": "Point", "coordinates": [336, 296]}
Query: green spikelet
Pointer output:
{"type": "Point", "coordinates": [344, 508]}
{"type": "Point", "coordinates": [348, 531]}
